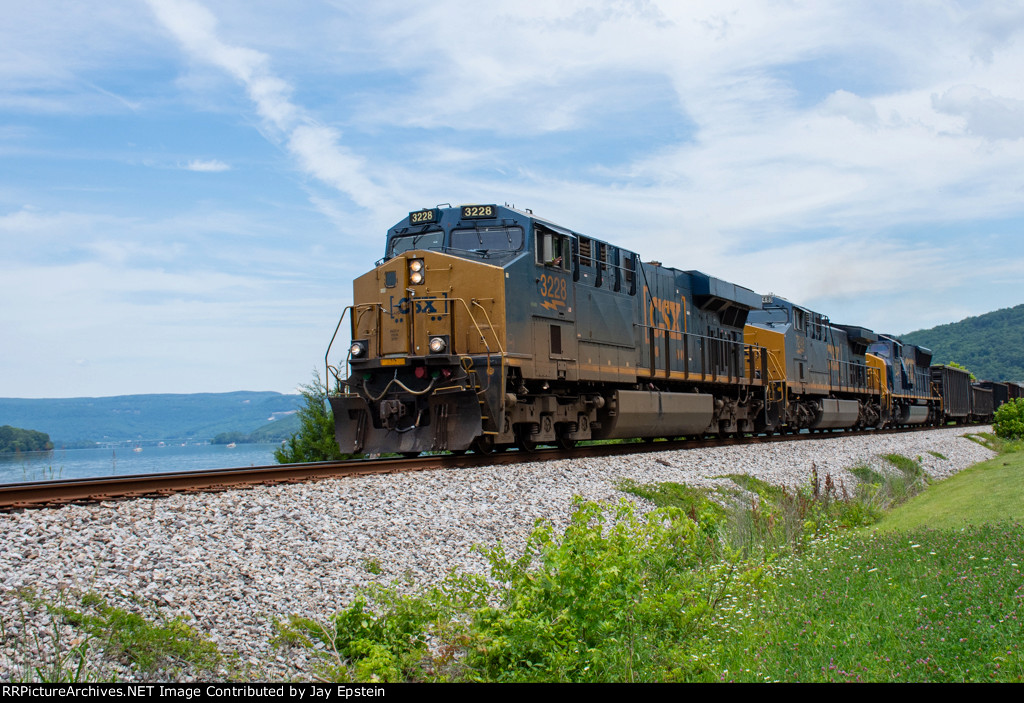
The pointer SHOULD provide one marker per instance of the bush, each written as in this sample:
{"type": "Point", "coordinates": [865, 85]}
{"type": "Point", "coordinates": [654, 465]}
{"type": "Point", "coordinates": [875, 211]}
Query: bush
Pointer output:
{"type": "Point", "coordinates": [1009, 419]}
{"type": "Point", "coordinates": [315, 440]}
{"type": "Point", "coordinates": [619, 600]}
{"type": "Point", "coordinates": [617, 597]}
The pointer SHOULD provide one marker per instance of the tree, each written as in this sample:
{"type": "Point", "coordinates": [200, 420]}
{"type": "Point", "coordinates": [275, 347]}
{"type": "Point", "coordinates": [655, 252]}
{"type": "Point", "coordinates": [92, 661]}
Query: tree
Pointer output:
{"type": "Point", "coordinates": [1009, 419]}
{"type": "Point", "coordinates": [14, 440]}
{"type": "Point", "coordinates": [315, 439]}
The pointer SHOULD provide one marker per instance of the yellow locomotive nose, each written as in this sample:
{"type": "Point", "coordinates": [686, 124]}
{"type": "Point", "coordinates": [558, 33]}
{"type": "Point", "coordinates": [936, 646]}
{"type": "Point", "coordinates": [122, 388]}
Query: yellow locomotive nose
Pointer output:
{"type": "Point", "coordinates": [430, 341]}
{"type": "Point", "coordinates": [425, 303]}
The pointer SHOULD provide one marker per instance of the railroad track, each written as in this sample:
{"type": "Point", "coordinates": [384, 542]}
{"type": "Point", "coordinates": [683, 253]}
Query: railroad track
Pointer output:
{"type": "Point", "coordinates": [43, 494]}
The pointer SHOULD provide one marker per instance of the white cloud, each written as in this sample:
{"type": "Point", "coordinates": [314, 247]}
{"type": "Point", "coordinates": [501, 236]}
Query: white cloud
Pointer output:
{"type": "Point", "coordinates": [315, 147]}
{"type": "Point", "coordinates": [850, 106]}
{"type": "Point", "coordinates": [210, 166]}
{"type": "Point", "coordinates": [986, 115]}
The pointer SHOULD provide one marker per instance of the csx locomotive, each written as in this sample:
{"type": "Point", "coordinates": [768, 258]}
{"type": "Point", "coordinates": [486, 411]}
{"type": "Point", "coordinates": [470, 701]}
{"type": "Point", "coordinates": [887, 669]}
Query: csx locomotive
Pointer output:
{"type": "Point", "coordinates": [486, 326]}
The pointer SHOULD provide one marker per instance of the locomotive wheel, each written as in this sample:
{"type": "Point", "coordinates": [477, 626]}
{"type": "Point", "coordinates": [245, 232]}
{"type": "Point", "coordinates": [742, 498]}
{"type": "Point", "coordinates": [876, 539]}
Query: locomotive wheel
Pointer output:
{"type": "Point", "coordinates": [525, 444]}
{"type": "Point", "coordinates": [565, 443]}
{"type": "Point", "coordinates": [484, 444]}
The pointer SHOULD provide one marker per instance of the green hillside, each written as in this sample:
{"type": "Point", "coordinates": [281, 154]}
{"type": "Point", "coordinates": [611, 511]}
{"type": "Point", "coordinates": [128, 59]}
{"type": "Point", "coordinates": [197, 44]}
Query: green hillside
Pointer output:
{"type": "Point", "coordinates": [197, 416]}
{"type": "Point", "coordinates": [990, 345]}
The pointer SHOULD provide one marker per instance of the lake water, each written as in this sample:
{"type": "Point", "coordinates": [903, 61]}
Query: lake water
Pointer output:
{"type": "Point", "coordinates": [121, 461]}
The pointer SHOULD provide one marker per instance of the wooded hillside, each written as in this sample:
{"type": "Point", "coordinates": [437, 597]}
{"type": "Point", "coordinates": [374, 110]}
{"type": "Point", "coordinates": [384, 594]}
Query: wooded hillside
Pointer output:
{"type": "Point", "coordinates": [990, 345]}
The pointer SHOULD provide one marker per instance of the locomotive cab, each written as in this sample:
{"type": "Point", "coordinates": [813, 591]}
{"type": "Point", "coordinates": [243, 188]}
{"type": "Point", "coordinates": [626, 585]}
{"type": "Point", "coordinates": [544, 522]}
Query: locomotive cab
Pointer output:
{"type": "Point", "coordinates": [435, 343]}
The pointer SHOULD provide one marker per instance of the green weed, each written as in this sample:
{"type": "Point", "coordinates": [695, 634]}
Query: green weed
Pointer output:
{"type": "Point", "coordinates": [118, 634]}
{"type": "Point", "coordinates": [30, 655]}
{"type": "Point", "coordinates": [695, 503]}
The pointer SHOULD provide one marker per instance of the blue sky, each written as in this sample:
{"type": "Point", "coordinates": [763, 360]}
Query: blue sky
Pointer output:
{"type": "Point", "coordinates": [188, 187]}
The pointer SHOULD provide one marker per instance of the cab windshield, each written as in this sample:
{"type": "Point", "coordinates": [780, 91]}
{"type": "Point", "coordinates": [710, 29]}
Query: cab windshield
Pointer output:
{"type": "Point", "coordinates": [424, 240]}
{"type": "Point", "coordinates": [487, 240]}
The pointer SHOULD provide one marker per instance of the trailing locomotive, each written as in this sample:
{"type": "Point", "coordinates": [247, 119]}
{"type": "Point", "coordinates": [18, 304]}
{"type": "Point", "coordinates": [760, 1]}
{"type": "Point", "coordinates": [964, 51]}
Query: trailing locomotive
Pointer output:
{"type": "Point", "coordinates": [486, 326]}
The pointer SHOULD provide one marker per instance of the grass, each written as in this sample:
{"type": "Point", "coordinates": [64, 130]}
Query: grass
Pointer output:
{"type": "Point", "coordinates": [934, 592]}
{"type": "Point", "coordinates": [992, 490]}
{"type": "Point", "coordinates": [936, 606]}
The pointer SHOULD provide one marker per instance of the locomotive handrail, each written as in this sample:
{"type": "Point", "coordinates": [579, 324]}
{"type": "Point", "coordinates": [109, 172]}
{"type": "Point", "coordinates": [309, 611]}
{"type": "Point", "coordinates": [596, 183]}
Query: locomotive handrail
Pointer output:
{"type": "Point", "coordinates": [836, 365]}
{"type": "Point", "coordinates": [327, 354]}
{"type": "Point", "coordinates": [732, 346]}
{"type": "Point", "coordinates": [490, 326]}
{"type": "Point", "coordinates": [778, 368]}
{"type": "Point", "coordinates": [472, 319]}
{"type": "Point", "coordinates": [620, 268]}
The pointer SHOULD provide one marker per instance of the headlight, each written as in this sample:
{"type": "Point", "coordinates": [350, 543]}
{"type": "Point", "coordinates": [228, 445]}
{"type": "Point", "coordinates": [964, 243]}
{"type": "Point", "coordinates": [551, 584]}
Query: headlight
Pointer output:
{"type": "Point", "coordinates": [357, 350]}
{"type": "Point", "coordinates": [437, 345]}
{"type": "Point", "coordinates": [416, 271]}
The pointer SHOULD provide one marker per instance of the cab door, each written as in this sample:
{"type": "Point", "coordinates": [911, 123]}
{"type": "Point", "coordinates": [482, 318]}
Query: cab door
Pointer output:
{"type": "Point", "coordinates": [553, 318]}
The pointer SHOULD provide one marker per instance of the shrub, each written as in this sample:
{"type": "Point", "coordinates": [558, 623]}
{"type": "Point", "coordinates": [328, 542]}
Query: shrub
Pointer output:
{"type": "Point", "coordinates": [315, 439]}
{"type": "Point", "coordinates": [617, 597]}
{"type": "Point", "coordinates": [603, 602]}
{"type": "Point", "coordinates": [1009, 419]}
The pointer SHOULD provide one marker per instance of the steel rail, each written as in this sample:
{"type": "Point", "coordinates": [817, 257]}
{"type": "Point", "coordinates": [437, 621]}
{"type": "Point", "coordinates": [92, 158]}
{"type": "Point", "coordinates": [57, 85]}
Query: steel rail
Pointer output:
{"type": "Point", "coordinates": [42, 494]}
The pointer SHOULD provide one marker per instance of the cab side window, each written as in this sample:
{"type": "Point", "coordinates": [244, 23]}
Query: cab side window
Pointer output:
{"type": "Point", "coordinates": [553, 249]}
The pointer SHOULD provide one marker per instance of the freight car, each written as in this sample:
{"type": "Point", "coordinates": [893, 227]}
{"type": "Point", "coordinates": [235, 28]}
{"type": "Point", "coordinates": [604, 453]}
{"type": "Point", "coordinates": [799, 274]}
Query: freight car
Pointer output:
{"type": "Point", "coordinates": [1000, 392]}
{"type": "Point", "coordinates": [953, 385]}
{"type": "Point", "coordinates": [485, 326]}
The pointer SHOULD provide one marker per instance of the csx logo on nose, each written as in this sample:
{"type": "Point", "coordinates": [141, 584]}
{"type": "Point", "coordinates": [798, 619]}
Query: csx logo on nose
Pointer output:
{"type": "Point", "coordinates": [422, 306]}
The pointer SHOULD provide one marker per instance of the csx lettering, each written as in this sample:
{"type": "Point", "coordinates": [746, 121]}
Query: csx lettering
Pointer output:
{"type": "Point", "coordinates": [665, 313]}
{"type": "Point", "coordinates": [402, 308]}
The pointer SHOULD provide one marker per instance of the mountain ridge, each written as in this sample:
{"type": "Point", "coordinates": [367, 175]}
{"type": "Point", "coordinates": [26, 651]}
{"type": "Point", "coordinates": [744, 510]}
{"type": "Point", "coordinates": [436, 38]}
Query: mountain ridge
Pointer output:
{"type": "Point", "coordinates": [991, 345]}
{"type": "Point", "coordinates": [149, 417]}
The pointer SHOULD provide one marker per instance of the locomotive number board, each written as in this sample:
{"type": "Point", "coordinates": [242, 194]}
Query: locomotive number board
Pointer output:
{"type": "Point", "coordinates": [423, 217]}
{"type": "Point", "coordinates": [471, 212]}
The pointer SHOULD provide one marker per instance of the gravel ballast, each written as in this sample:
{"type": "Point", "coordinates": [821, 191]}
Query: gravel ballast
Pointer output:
{"type": "Point", "coordinates": [234, 562]}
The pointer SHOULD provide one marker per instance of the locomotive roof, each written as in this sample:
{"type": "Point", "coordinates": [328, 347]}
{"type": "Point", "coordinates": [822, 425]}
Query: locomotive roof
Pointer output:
{"type": "Point", "coordinates": [499, 210]}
